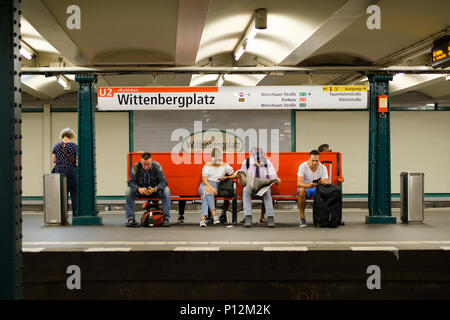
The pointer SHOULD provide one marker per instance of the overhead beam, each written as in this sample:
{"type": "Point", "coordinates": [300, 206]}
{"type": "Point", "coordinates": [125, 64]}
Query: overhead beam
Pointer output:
{"type": "Point", "coordinates": [410, 52]}
{"type": "Point", "coordinates": [43, 88]}
{"type": "Point", "coordinates": [37, 14]}
{"type": "Point", "coordinates": [34, 92]}
{"type": "Point", "coordinates": [329, 29]}
{"type": "Point", "coordinates": [190, 24]}
{"type": "Point", "coordinates": [414, 82]}
{"type": "Point", "coordinates": [232, 70]}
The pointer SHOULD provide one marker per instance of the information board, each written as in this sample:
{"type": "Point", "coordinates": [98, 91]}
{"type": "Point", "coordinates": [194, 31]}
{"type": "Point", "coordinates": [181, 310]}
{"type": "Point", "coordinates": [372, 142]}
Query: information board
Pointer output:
{"type": "Point", "coordinates": [226, 98]}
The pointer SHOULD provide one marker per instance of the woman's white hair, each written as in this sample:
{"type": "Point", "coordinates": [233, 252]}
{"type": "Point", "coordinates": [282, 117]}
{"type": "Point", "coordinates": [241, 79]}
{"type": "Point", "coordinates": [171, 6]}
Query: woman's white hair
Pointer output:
{"type": "Point", "coordinates": [67, 132]}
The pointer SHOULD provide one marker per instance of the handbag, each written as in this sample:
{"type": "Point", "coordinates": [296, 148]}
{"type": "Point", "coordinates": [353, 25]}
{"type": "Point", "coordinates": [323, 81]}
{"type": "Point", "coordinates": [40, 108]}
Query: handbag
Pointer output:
{"type": "Point", "coordinates": [226, 188]}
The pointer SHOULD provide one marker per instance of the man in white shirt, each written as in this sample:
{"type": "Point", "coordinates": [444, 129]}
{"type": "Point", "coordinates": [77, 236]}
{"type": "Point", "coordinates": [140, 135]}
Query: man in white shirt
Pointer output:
{"type": "Point", "coordinates": [310, 174]}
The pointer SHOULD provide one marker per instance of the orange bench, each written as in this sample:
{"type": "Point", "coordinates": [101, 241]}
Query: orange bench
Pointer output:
{"type": "Point", "coordinates": [184, 177]}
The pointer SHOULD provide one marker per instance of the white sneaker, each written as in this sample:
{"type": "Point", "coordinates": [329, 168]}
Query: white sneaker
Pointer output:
{"type": "Point", "coordinates": [216, 220]}
{"type": "Point", "coordinates": [203, 223]}
{"type": "Point", "coordinates": [303, 223]}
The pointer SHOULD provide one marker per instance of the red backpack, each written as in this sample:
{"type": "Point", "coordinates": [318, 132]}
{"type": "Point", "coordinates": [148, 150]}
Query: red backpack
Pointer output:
{"type": "Point", "coordinates": [153, 216]}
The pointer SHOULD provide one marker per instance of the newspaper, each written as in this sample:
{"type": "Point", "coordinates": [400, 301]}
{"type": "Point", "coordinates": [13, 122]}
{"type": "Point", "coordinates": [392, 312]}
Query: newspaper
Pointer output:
{"type": "Point", "coordinates": [259, 186]}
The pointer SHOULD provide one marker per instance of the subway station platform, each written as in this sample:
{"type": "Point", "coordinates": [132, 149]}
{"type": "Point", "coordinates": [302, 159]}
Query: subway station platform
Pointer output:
{"type": "Point", "coordinates": [223, 262]}
{"type": "Point", "coordinates": [434, 233]}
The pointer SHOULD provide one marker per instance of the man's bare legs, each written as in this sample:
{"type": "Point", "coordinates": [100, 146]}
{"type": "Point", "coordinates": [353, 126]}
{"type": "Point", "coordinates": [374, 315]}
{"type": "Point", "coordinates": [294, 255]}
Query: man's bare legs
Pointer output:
{"type": "Point", "coordinates": [301, 202]}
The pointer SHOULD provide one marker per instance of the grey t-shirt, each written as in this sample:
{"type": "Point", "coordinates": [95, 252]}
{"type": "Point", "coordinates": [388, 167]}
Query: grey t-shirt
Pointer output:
{"type": "Point", "coordinates": [309, 176]}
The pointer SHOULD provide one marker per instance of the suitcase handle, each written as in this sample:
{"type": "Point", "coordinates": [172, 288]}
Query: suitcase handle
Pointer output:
{"type": "Point", "coordinates": [331, 168]}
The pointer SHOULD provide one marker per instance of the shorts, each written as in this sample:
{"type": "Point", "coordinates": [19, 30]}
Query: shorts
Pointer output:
{"type": "Point", "coordinates": [310, 192]}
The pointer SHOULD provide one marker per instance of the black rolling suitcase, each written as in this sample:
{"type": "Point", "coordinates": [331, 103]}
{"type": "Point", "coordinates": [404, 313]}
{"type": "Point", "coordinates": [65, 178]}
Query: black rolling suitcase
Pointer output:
{"type": "Point", "coordinates": [327, 206]}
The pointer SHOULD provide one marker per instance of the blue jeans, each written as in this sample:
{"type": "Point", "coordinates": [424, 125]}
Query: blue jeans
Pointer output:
{"type": "Point", "coordinates": [247, 199]}
{"type": "Point", "coordinates": [207, 198]}
{"type": "Point", "coordinates": [131, 197]}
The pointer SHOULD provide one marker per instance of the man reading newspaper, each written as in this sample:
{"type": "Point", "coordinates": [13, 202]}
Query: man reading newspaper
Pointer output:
{"type": "Point", "coordinates": [258, 175]}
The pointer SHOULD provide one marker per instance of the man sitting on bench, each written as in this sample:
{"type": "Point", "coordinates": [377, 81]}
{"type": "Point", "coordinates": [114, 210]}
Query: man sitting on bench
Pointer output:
{"type": "Point", "coordinates": [258, 166]}
{"type": "Point", "coordinates": [310, 174]}
{"type": "Point", "coordinates": [147, 180]}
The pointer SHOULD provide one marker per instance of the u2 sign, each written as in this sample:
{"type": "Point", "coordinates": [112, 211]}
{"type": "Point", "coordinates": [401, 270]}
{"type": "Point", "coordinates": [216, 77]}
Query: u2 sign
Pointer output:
{"type": "Point", "coordinates": [229, 98]}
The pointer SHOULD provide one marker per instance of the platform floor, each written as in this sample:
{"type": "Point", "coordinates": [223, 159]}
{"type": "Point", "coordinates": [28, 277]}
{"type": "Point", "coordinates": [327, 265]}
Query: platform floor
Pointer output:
{"type": "Point", "coordinates": [433, 234]}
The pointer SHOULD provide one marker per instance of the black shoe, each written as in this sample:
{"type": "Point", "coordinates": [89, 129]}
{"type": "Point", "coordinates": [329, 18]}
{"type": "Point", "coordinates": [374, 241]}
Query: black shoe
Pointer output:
{"type": "Point", "coordinates": [223, 218]}
{"type": "Point", "coordinates": [132, 223]}
{"type": "Point", "coordinates": [180, 219]}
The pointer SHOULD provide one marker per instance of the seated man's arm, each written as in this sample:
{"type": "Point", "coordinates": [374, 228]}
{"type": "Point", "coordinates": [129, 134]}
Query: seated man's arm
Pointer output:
{"type": "Point", "coordinates": [301, 184]}
{"type": "Point", "coordinates": [132, 182]}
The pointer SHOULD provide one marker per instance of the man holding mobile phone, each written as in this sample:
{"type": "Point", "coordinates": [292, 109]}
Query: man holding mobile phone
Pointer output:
{"type": "Point", "coordinates": [147, 180]}
{"type": "Point", "coordinates": [310, 174]}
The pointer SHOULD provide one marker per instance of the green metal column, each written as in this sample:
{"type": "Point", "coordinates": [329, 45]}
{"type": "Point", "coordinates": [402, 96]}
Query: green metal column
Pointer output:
{"type": "Point", "coordinates": [11, 158]}
{"type": "Point", "coordinates": [379, 154]}
{"type": "Point", "coordinates": [87, 213]}
{"type": "Point", "coordinates": [293, 130]}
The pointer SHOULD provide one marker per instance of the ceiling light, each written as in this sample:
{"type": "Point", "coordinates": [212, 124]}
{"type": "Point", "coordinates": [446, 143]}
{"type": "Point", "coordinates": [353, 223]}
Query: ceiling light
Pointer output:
{"type": "Point", "coordinates": [26, 51]}
{"type": "Point", "coordinates": [63, 82]}
{"type": "Point", "coordinates": [398, 75]}
{"type": "Point", "coordinates": [259, 21]}
{"type": "Point", "coordinates": [252, 34]}
{"type": "Point", "coordinates": [220, 80]}
{"type": "Point", "coordinates": [239, 53]}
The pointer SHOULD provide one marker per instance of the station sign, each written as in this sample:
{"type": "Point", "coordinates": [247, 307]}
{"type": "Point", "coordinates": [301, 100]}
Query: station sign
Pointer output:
{"type": "Point", "coordinates": [440, 53]}
{"type": "Point", "coordinates": [229, 98]}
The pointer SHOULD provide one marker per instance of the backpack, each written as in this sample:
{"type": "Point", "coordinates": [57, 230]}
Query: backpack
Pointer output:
{"type": "Point", "coordinates": [153, 215]}
{"type": "Point", "coordinates": [327, 206]}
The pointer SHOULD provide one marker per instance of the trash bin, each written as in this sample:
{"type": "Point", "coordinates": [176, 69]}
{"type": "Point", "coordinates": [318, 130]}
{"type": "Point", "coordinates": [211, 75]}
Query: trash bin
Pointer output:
{"type": "Point", "coordinates": [55, 198]}
{"type": "Point", "coordinates": [411, 197]}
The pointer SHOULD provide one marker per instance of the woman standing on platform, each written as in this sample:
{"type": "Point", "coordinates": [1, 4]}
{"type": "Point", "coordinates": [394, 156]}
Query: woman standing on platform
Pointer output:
{"type": "Point", "coordinates": [64, 156]}
{"type": "Point", "coordinates": [213, 172]}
